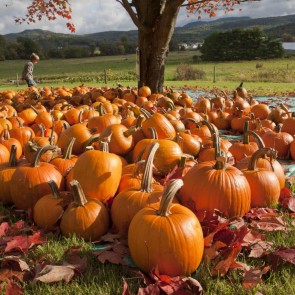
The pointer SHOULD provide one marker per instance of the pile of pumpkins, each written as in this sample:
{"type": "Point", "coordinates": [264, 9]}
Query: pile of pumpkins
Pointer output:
{"type": "Point", "coordinates": [91, 158]}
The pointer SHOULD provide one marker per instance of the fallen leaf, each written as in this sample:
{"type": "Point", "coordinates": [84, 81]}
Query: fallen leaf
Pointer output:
{"type": "Point", "coordinates": [109, 237]}
{"type": "Point", "coordinates": [14, 263]}
{"type": "Point", "coordinates": [55, 273]}
{"type": "Point", "coordinates": [20, 243]}
{"type": "Point", "coordinates": [110, 256]}
{"type": "Point", "coordinates": [4, 229]}
{"type": "Point", "coordinates": [8, 273]}
{"type": "Point", "coordinates": [13, 289]}
{"type": "Point", "coordinates": [125, 288]}
{"type": "Point", "coordinates": [253, 277]}
{"type": "Point", "coordinates": [223, 266]}
{"type": "Point", "coordinates": [260, 249]}
{"type": "Point", "coordinates": [212, 252]}
{"type": "Point", "coordinates": [280, 255]}
{"type": "Point", "coordinates": [291, 204]}
{"type": "Point", "coordinates": [151, 289]}
{"type": "Point", "coordinates": [270, 224]}
{"type": "Point", "coordinates": [77, 263]}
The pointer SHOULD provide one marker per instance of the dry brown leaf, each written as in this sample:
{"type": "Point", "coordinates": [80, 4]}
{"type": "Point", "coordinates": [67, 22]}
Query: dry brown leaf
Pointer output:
{"type": "Point", "coordinates": [55, 273]}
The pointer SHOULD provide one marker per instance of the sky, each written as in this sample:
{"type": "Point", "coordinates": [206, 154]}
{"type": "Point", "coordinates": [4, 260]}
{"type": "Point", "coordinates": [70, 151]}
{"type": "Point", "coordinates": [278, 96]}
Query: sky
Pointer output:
{"type": "Point", "coordinates": [91, 16]}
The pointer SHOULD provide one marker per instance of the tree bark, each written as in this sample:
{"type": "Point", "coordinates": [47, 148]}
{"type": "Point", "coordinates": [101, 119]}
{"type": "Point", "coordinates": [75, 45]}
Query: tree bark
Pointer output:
{"type": "Point", "coordinates": [157, 19]}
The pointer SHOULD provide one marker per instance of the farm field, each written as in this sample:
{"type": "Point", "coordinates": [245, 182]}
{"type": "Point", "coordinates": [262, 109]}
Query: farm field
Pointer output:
{"type": "Point", "coordinates": [272, 75]}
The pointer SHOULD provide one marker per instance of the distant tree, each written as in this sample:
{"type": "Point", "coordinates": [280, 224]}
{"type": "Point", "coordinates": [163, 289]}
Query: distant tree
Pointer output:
{"type": "Point", "coordinates": [240, 44]}
{"type": "Point", "coordinates": [288, 38]}
{"type": "Point", "coordinates": [2, 47]}
{"type": "Point", "coordinates": [75, 51]}
{"type": "Point", "coordinates": [25, 47]}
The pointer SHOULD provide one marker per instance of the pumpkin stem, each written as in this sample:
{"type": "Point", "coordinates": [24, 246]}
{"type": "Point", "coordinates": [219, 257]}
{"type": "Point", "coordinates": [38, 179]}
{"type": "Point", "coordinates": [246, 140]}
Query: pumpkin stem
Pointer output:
{"type": "Point", "coordinates": [170, 105]}
{"type": "Point", "coordinates": [34, 109]}
{"type": "Point", "coordinates": [51, 138]}
{"type": "Point", "coordinates": [139, 121]}
{"type": "Point", "coordinates": [153, 132]}
{"type": "Point", "coordinates": [220, 163]}
{"type": "Point", "coordinates": [67, 154]}
{"type": "Point", "coordinates": [179, 140]}
{"type": "Point", "coordinates": [289, 114]}
{"type": "Point", "coordinates": [19, 122]}
{"type": "Point", "coordinates": [182, 161]}
{"type": "Point", "coordinates": [54, 189]}
{"type": "Point", "coordinates": [209, 125]}
{"type": "Point", "coordinates": [6, 134]}
{"type": "Point", "coordinates": [168, 195]}
{"type": "Point", "coordinates": [257, 138]}
{"type": "Point", "coordinates": [42, 129]}
{"type": "Point", "coordinates": [145, 113]}
{"type": "Point", "coordinates": [93, 138]}
{"type": "Point", "coordinates": [80, 116]}
{"type": "Point", "coordinates": [36, 160]}
{"type": "Point", "coordinates": [78, 193]}
{"type": "Point", "coordinates": [138, 167]}
{"type": "Point", "coordinates": [12, 156]}
{"type": "Point", "coordinates": [246, 139]}
{"type": "Point", "coordinates": [259, 154]}
{"type": "Point", "coordinates": [129, 131]}
{"type": "Point", "coordinates": [146, 182]}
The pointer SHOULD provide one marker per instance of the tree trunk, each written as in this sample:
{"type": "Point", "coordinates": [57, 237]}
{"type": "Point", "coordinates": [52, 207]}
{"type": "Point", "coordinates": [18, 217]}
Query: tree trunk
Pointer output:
{"type": "Point", "coordinates": [153, 43]}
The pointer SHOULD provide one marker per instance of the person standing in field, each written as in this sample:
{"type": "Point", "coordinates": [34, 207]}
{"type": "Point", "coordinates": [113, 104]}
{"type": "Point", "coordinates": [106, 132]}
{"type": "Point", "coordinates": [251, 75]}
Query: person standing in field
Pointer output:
{"type": "Point", "coordinates": [27, 73]}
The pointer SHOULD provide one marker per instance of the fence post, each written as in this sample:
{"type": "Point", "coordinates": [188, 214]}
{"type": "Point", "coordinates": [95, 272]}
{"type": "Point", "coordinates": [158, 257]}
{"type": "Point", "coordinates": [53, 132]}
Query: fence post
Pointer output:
{"type": "Point", "coordinates": [214, 74]}
{"type": "Point", "coordinates": [17, 81]}
{"type": "Point", "coordinates": [105, 77]}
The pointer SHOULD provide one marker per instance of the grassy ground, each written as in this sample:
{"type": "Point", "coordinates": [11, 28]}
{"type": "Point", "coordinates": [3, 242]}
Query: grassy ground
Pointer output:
{"type": "Point", "coordinates": [270, 76]}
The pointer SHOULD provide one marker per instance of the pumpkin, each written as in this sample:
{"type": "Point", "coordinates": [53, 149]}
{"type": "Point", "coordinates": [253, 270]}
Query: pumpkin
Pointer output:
{"type": "Point", "coordinates": [135, 198]}
{"type": "Point", "coordinates": [49, 209]}
{"type": "Point", "coordinates": [22, 133]}
{"type": "Point", "coordinates": [167, 236]}
{"type": "Point", "coordinates": [264, 184]}
{"type": "Point", "coordinates": [8, 141]}
{"type": "Point", "coordinates": [4, 154]}
{"type": "Point", "coordinates": [160, 123]}
{"type": "Point", "coordinates": [67, 161]}
{"type": "Point", "coordinates": [240, 150]}
{"type": "Point", "coordinates": [85, 217]}
{"type": "Point", "coordinates": [216, 185]}
{"type": "Point", "coordinates": [269, 163]}
{"type": "Point", "coordinates": [241, 91]}
{"type": "Point", "coordinates": [30, 181]}
{"type": "Point", "coordinates": [6, 172]}
{"type": "Point", "coordinates": [99, 174]}
{"type": "Point", "coordinates": [278, 140]}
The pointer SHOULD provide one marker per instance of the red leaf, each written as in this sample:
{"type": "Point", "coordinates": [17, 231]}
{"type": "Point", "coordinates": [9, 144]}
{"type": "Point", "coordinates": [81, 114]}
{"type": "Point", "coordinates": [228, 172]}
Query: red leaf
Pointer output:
{"type": "Point", "coordinates": [225, 235]}
{"type": "Point", "coordinates": [261, 248]}
{"type": "Point", "coordinates": [223, 266]}
{"type": "Point", "coordinates": [125, 289]}
{"type": "Point", "coordinates": [270, 224]}
{"type": "Point", "coordinates": [281, 255]}
{"type": "Point", "coordinates": [23, 243]}
{"type": "Point", "coordinates": [13, 289]}
{"type": "Point", "coordinates": [4, 229]}
{"type": "Point", "coordinates": [151, 289]}
{"type": "Point", "coordinates": [253, 277]}
{"type": "Point", "coordinates": [213, 251]}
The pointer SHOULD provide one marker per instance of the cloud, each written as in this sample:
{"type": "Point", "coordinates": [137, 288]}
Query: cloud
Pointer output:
{"type": "Point", "coordinates": [91, 16]}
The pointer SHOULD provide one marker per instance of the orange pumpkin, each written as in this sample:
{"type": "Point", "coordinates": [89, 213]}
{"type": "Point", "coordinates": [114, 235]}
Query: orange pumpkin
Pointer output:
{"type": "Point", "coordinates": [85, 217]}
{"type": "Point", "coordinates": [154, 237]}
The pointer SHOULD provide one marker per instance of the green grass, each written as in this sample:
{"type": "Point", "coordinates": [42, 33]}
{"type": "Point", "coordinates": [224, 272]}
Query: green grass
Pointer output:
{"type": "Point", "coordinates": [274, 75]}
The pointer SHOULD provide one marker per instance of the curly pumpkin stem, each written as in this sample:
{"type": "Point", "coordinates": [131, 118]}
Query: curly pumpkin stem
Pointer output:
{"type": "Point", "coordinates": [54, 189]}
{"type": "Point", "coordinates": [246, 139]}
{"type": "Point", "coordinates": [257, 138]}
{"type": "Point", "coordinates": [168, 196]}
{"type": "Point", "coordinates": [79, 196]}
{"type": "Point", "coordinates": [139, 166]}
{"type": "Point", "coordinates": [209, 125]}
{"type": "Point", "coordinates": [146, 182]}
{"type": "Point", "coordinates": [67, 154]}
{"type": "Point", "coordinates": [36, 160]}
{"type": "Point", "coordinates": [91, 140]}
{"type": "Point", "coordinates": [259, 154]}
{"type": "Point", "coordinates": [129, 131]}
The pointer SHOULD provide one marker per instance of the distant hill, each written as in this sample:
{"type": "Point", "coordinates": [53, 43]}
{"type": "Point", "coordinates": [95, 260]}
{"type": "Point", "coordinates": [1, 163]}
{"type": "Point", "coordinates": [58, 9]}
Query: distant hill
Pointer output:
{"type": "Point", "coordinates": [192, 32]}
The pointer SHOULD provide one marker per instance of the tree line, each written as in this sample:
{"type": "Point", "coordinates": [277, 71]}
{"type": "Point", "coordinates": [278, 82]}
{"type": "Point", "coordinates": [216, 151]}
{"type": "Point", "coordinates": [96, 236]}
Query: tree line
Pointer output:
{"type": "Point", "coordinates": [236, 44]}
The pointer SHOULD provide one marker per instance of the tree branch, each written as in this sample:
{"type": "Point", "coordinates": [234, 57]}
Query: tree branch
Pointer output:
{"type": "Point", "coordinates": [133, 15]}
{"type": "Point", "coordinates": [203, 1]}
